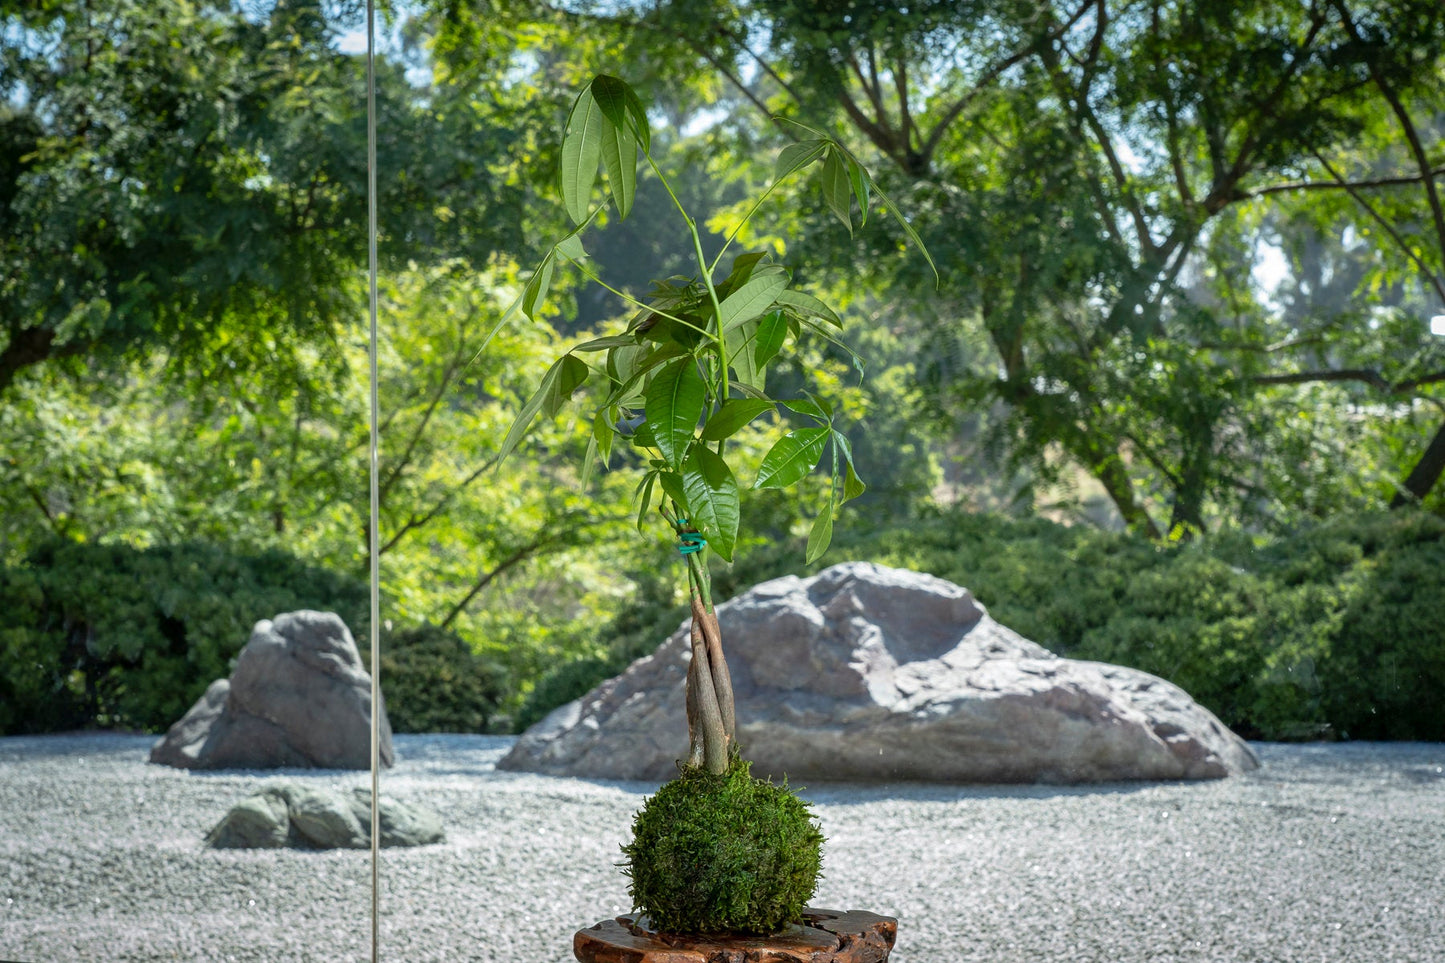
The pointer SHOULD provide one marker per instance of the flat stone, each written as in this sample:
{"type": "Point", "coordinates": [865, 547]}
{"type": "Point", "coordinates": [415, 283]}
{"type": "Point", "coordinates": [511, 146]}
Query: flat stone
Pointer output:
{"type": "Point", "coordinates": [290, 814]}
{"type": "Point", "coordinates": [256, 822]}
{"type": "Point", "coordinates": [863, 672]}
{"type": "Point", "coordinates": [826, 936]}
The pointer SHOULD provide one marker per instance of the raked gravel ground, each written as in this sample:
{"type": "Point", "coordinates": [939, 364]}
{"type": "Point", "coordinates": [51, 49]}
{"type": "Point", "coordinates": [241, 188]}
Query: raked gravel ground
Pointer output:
{"type": "Point", "coordinates": [1328, 854]}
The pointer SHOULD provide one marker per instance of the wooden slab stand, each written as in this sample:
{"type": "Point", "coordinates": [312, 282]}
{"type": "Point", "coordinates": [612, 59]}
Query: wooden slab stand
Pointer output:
{"type": "Point", "coordinates": [826, 936]}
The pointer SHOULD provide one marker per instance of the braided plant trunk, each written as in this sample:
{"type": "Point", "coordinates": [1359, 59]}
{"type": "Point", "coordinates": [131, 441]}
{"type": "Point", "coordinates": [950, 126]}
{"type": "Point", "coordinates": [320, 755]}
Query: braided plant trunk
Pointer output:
{"type": "Point", "coordinates": [711, 718]}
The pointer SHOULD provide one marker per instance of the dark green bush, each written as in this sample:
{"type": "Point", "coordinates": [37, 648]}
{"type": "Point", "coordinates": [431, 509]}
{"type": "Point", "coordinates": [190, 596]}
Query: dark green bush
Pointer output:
{"type": "Point", "coordinates": [434, 682]}
{"type": "Point", "coordinates": [723, 854]}
{"type": "Point", "coordinates": [113, 636]}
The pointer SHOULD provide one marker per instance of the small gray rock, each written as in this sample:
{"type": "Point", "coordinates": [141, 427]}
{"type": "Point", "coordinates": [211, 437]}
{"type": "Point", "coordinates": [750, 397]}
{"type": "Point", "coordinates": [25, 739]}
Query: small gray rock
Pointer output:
{"type": "Point", "coordinates": [256, 822]}
{"type": "Point", "coordinates": [305, 817]}
{"type": "Point", "coordinates": [326, 822]}
{"type": "Point", "coordinates": [870, 673]}
{"type": "Point", "coordinates": [402, 824]}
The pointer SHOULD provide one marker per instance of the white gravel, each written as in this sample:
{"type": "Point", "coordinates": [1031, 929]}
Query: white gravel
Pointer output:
{"type": "Point", "coordinates": [1329, 854]}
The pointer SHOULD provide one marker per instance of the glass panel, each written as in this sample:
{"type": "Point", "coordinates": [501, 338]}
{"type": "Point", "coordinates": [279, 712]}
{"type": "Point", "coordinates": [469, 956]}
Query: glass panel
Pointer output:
{"type": "Point", "coordinates": [180, 410]}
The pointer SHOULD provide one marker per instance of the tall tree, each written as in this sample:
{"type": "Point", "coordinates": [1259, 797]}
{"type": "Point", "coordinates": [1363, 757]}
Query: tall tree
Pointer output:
{"type": "Point", "coordinates": [171, 168]}
{"type": "Point", "coordinates": [1088, 170]}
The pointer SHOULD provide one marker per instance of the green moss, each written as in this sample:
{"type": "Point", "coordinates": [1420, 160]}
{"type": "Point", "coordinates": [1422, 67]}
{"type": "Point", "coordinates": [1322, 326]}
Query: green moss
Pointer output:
{"type": "Point", "coordinates": [723, 854]}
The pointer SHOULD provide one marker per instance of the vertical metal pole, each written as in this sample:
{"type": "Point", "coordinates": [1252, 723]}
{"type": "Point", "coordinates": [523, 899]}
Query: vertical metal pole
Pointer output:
{"type": "Point", "coordinates": [373, 528]}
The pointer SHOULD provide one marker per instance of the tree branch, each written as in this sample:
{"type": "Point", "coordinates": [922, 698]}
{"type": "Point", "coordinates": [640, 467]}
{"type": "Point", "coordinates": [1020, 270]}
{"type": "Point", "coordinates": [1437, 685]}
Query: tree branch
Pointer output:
{"type": "Point", "coordinates": [1336, 185]}
{"type": "Point", "coordinates": [1408, 126]}
{"type": "Point", "coordinates": [418, 521]}
{"type": "Point", "coordinates": [511, 561]}
{"type": "Point", "coordinates": [1435, 280]}
{"type": "Point", "coordinates": [930, 144]}
{"type": "Point", "coordinates": [905, 116]}
{"type": "Point", "coordinates": [1367, 376]}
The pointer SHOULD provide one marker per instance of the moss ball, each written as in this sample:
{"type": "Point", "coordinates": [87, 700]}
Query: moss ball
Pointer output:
{"type": "Point", "coordinates": [723, 854]}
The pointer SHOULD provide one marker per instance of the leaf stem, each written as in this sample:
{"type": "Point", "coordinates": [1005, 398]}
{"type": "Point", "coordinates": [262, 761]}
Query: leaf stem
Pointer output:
{"type": "Point", "coordinates": [592, 275]}
{"type": "Point", "coordinates": [720, 340]}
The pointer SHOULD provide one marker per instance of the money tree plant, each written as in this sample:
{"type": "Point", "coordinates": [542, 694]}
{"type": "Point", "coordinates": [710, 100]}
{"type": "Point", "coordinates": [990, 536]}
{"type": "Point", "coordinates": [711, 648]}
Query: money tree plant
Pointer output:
{"type": "Point", "coordinates": [688, 372]}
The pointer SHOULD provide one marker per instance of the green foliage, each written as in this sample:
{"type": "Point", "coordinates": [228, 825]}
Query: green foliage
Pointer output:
{"type": "Point", "coordinates": [723, 854]}
{"type": "Point", "coordinates": [118, 637]}
{"type": "Point", "coordinates": [434, 682]}
{"type": "Point", "coordinates": [1101, 185]}
{"type": "Point", "coordinates": [188, 178]}
{"type": "Point", "coordinates": [699, 347]}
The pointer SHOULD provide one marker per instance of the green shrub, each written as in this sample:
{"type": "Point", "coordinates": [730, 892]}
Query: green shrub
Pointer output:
{"type": "Point", "coordinates": [723, 854]}
{"type": "Point", "coordinates": [434, 682]}
{"type": "Point", "coordinates": [113, 636]}
{"type": "Point", "coordinates": [1386, 672]}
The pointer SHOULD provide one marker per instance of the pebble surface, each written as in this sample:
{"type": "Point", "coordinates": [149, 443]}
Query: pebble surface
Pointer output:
{"type": "Point", "coordinates": [1329, 852]}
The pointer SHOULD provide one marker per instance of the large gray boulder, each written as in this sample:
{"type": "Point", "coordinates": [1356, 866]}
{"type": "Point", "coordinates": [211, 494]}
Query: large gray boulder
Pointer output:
{"type": "Point", "coordinates": [290, 814]}
{"type": "Point", "coordinates": [299, 697]}
{"type": "Point", "coordinates": [870, 673]}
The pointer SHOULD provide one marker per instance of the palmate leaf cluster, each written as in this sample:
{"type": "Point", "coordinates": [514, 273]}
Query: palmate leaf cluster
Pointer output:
{"type": "Point", "coordinates": [689, 370]}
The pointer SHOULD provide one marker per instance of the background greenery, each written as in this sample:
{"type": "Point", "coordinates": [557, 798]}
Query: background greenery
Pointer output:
{"type": "Point", "coordinates": [1175, 403]}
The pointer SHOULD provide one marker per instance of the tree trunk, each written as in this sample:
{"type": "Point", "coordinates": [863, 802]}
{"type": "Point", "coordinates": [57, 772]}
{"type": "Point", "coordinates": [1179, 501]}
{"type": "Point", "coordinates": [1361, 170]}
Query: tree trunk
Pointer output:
{"type": "Point", "coordinates": [1425, 474]}
{"type": "Point", "coordinates": [711, 717]}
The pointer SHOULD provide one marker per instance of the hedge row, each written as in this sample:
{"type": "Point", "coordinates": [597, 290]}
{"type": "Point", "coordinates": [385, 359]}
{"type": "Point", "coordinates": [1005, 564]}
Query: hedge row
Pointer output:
{"type": "Point", "coordinates": [117, 637]}
{"type": "Point", "coordinates": [1334, 631]}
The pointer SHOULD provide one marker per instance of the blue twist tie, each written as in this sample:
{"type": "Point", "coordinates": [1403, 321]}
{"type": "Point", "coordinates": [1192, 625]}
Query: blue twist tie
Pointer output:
{"type": "Point", "coordinates": [692, 542]}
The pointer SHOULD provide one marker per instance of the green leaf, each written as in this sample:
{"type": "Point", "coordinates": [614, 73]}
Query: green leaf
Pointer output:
{"type": "Point", "coordinates": [643, 437]}
{"type": "Point", "coordinates": [841, 441]}
{"type": "Point", "coordinates": [750, 300]}
{"type": "Point", "coordinates": [852, 485]}
{"type": "Point", "coordinates": [741, 357]}
{"type": "Point", "coordinates": [611, 341]}
{"type": "Point", "coordinates": [837, 191]}
{"type": "Point", "coordinates": [797, 156]}
{"type": "Point", "coordinates": [907, 228]}
{"type": "Point", "coordinates": [743, 266]}
{"type": "Point", "coordinates": [640, 364]}
{"type": "Point", "coordinates": [732, 416]}
{"type": "Point", "coordinates": [794, 455]}
{"type": "Point", "coordinates": [618, 101]}
{"type": "Point", "coordinates": [571, 247]}
{"type": "Point", "coordinates": [674, 405]}
{"type": "Point", "coordinates": [809, 306]}
{"type": "Point", "coordinates": [571, 373]}
{"type": "Point", "coordinates": [858, 177]}
{"type": "Point", "coordinates": [772, 333]}
{"type": "Point", "coordinates": [821, 535]}
{"type": "Point", "coordinates": [581, 151]}
{"type": "Point", "coordinates": [535, 293]}
{"type": "Point", "coordinates": [712, 499]}
{"type": "Point", "coordinates": [603, 433]}
{"type": "Point", "coordinates": [747, 391]}
{"type": "Point", "coordinates": [546, 397]}
{"type": "Point", "coordinates": [611, 96]}
{"type": "Point", "coordinates": [672, 485]}
{"type": "Point", "coordinates": [644, 489]}
{"type": "Point", "coordinates": [619, 157]}
{"type": "Point", "coordinates": [805, 406]}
